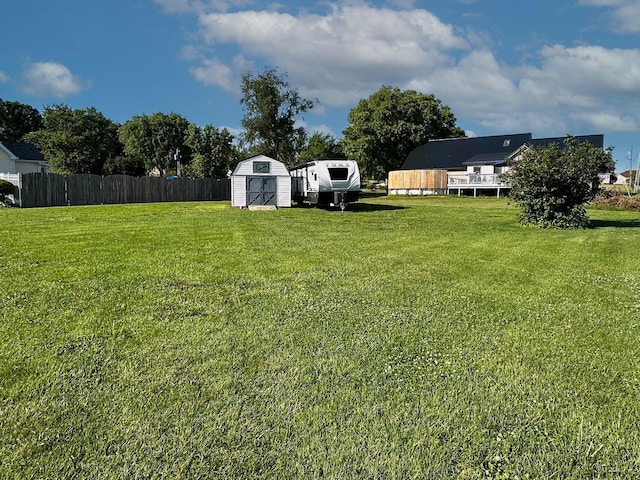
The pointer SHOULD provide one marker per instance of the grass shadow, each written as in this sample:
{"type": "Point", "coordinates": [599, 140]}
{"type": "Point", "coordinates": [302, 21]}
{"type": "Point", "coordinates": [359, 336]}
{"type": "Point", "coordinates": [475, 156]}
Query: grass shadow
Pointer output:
{"type": "Point", "coordinates": [615, 223]}
{"type": "Point", "coordinates": [372, 207]}
{"type": "Point", "coordinates": [372, 194]}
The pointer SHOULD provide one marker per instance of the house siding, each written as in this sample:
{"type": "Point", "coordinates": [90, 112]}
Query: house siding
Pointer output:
{"type": "Point", "coordinates": [28, 167]}
{"type": "Point", "coordinates": [7, 165]}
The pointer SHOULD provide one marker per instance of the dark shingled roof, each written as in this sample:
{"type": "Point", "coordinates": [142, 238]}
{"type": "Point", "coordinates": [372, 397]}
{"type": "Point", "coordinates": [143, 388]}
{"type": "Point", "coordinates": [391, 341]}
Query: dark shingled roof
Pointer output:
{"type": "Point", "coordinates": [594, 140]}
{"type": "Point", "coordinates": [452, 153]}
{"type": "Point", "coordinates": [457, 153]}
{"type": "Point", "coordinates": [486, 159]}
{"type": "Point", "coordinates": [24, 151]}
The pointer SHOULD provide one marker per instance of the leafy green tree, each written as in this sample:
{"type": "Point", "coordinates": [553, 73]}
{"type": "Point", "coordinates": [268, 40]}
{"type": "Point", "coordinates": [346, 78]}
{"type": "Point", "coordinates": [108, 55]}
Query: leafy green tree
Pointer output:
{"type": "Point", "coordinates": [124, 165]}
{"type": "Point", "coordinates": [270, 110]}
{"type": "Point", "coordinates": [385, 127]}
{"type": "Point", "coordinates": [321, 146]}
{"type": "Point", "coordinates": [213, 151]}
{"type": "Point", "coordinates": [17, 119]}
{"type": "Point", "coordinates": [552, 184]}
{"type": "Point", "coordinates": [156, 138]}
{"type": "Point", "coordinates": [76, 140]}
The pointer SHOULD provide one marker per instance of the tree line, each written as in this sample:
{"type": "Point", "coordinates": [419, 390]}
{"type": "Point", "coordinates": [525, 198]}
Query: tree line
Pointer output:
{"type": "Point", "coordinates": [382, 130]}
{"type": "Point", "coordinates": [550, 184]}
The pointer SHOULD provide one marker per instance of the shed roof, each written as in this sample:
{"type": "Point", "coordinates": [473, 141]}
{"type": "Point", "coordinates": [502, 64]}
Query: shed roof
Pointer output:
{"type": "Point", "coordinates": [244, 167]}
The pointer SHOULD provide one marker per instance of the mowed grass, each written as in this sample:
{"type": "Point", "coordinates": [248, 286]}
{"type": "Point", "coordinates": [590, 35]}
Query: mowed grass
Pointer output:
{"type": "Point", "coordinates": [404, 338]}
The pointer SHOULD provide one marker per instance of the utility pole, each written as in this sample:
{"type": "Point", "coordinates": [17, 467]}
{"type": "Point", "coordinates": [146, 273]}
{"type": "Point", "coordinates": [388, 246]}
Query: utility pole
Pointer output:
{"type": "Point", "coordinates": [631, 184]}
{"type": "Point", "coordinates": [637, 179]}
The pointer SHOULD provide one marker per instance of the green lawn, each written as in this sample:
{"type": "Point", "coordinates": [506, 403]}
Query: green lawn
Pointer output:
{"type": "Point", "coordinates": [405, 338]}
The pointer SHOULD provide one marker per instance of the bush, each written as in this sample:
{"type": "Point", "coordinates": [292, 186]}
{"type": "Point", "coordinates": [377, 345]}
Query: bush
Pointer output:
{"type": "Point", "coordinates": [552, 184]}
{"type": "Point", "coordinates": [6, 188]}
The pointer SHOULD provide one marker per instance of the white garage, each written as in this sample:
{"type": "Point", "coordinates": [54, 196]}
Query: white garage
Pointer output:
{"type": "Point", "coordinates": [260, 181]}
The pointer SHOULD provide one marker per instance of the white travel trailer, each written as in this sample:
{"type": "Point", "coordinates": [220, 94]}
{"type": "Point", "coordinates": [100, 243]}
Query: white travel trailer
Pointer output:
{"type": "Point", "coordinates": [332, 183]}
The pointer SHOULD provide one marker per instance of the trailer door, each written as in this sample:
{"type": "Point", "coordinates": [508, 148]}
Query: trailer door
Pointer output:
{"type": "Point", "coordinates": [261, 190]}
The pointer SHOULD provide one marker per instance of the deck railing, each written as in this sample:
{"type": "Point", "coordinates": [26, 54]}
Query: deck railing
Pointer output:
{"type": "Point", "coordinates": [487, 180]}
{"type": "Point", "coordinates": [16, 179]}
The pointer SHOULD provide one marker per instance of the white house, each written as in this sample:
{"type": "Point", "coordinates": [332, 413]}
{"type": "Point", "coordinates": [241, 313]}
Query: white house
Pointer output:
{"type": "Point", "coordinates": [259, 181]}
{"type": "Point", "coordinates": [624, 178]}
{"type": "Point", "coordinates": [476, 164]}
{"type": "Point", "coordinates": [20, 157]}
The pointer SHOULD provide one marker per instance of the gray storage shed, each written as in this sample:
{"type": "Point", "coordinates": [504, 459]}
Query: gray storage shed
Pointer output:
{"type": "Point", "coordinates": [260, 180]}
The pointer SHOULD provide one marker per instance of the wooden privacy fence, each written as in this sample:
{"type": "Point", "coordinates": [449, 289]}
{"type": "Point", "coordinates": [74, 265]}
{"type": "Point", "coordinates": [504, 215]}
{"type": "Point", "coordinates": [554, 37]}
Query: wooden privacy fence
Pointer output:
{"type": "Point", "coordinates": [48, 190]}
{"type": "Point", "coordinates": [417, 182]}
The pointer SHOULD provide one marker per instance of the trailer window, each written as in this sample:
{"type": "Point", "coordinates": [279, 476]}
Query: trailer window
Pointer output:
{"type": "Point", "coordinates": [339, 173]}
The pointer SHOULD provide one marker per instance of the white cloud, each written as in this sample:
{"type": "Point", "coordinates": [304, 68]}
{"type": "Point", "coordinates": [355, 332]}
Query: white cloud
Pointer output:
{"type": "Point", "coordinates": [625, 14]}
{"type": "Point", "coordinates": [342, 55]}
{"type": "Point", "coordinates": [591, 70]}
{"type": "Point", "coordinates": [4, 78]}
{"type": "Point", "coordinates": [584, 88]}
{"type": "Point", "coordinates": [606, 121]}
{"type": "Point", "coordinates": [402, 3]}
{"type": "Point", "coordinates": [50, 79]}
{"type": "Point", "coordinates": [214, 72]}
{"type": "Point", "coordinates": [353, 49]}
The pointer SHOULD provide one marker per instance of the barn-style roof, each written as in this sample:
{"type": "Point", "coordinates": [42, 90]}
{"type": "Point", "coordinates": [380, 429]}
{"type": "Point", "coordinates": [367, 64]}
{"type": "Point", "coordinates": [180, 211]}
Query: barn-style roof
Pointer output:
{"type": "Point", "coordinates": [594, 140]}
{"type": "Point", "coordinates": [452, 153]}
{"type": "Point", "coordinates": [458, 153]}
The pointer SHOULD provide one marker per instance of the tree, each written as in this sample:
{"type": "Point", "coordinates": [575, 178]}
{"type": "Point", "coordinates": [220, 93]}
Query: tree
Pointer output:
{"type": "Point", "coordinates": [17, 119]}
{"type": "Point", "coordinates": [124, 165]}
{"type": "Point", "coordinates": [270, 110]}
{"type": "Point", "coordinates": [155, 138]}
{"type": "Point", "coordinates": [76, 141]}
{"type": "Point", "coordinates": [321, 146]}
{"type": "Point", "coordinates": [551, 184]}
{"type": "Point", "coordinates": [213, 151]}
{"type": "Point", "coordinates": [389, 124]}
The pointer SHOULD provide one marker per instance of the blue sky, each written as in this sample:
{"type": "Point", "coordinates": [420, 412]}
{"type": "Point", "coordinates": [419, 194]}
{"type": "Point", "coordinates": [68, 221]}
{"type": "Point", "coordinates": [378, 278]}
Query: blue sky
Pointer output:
{"type": "Point", "coordinates": [540, 66]}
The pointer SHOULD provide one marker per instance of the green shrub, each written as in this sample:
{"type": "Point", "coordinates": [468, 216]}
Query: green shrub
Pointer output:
{"type": "Point", "coordinates": [6, 188]}
{"type": "Point", "coordinates": [552, 184]}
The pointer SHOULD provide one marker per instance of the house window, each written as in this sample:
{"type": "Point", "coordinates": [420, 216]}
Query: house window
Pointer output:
{"type": "Point", "coordinates": [261, 167]}
{"type": "Point", "coordinates": [506, 143]}
{"type": "Point", "coordinates": [477, 169]}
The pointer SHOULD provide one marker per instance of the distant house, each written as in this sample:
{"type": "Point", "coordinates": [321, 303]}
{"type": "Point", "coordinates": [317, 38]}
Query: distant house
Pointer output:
{"type": "Point", "coordinates": [20, 157]}
{"type": "Point", "coordinates": [475, 164]}
{"type": "Point", "coordinates": [624, 177]}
